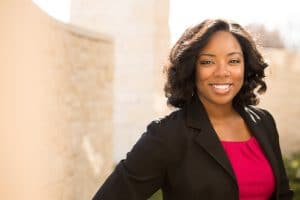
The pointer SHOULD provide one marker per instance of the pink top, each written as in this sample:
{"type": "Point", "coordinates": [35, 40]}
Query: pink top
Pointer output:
{"type": "Point", "coordinates": [253, 172]}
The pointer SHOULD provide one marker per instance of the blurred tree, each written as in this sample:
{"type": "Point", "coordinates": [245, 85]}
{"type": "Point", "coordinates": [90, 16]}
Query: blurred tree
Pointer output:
{"type": "Point", "coordinates": [265, 37]}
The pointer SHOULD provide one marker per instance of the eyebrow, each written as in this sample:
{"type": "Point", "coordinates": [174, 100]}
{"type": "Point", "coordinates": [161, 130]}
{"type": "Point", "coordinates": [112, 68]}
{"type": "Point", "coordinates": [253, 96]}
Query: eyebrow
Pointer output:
{"type": "Point", "coordinates": [212, 55]}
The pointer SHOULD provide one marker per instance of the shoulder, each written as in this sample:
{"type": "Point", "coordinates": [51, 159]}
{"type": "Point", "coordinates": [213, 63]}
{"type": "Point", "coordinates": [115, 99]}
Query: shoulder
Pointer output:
{"type": "Point", "coordinates": [266, 118]}
{"type": "Point", "coordinates": [169, 131]}
{"type": "Point", "coordinates": [260, 113]}
{"type": "Point", "coordinates": [168, 122]}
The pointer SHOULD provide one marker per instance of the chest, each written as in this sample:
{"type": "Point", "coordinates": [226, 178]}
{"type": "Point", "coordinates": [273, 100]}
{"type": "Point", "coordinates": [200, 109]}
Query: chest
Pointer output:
{"type": "Point", "coordinates": [199, 176]}
{"type": "Point", "coordinates": [235, 130]}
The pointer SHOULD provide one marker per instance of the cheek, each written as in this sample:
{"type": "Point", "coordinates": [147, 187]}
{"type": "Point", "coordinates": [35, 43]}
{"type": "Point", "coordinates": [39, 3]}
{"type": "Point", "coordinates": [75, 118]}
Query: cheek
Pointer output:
{"type": "Point", "coordinates": [238, 74]}
{"type": "Point", "coordinates": [202, 75]}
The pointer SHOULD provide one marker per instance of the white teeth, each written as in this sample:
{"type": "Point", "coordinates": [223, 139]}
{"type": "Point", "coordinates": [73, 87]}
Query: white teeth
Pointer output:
{"type": "Point", "coordinates": [221, 87]}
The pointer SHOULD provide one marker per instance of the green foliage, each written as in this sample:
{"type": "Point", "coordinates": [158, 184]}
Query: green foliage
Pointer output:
{"type": "Point", "coordinates": [156, 196]}
{"type": "Point", "coordinates": [292, 165]}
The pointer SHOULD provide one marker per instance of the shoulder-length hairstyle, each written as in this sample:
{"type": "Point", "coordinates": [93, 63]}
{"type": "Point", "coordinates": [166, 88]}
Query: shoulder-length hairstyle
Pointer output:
{"type": "Point", "coordinates": [180, 70]}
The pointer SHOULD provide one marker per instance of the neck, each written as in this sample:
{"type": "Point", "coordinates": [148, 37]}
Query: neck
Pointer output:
{"type": "Point", "coordinates": [218, 111]}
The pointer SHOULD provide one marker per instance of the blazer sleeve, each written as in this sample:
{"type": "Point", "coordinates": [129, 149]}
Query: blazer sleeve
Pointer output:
{"type": "Point", "coordinates": [142, 172]}
{"type": "Point", "coordinates": [285, 193]}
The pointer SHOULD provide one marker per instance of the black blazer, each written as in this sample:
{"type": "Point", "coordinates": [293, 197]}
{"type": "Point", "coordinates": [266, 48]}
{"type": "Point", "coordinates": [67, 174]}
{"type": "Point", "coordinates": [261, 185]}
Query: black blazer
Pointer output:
{"type": "Point", "coordinates": [182, 155]}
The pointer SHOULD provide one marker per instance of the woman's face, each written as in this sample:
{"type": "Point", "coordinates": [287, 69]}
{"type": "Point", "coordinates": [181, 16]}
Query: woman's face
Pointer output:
{"type": "Point", "coordinates": [220, 69]}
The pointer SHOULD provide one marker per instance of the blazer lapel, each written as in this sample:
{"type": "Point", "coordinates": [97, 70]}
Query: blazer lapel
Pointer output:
{"type": "Point", "coordinates": [197, 118]}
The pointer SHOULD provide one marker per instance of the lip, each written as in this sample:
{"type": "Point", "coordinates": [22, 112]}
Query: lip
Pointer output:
{"type": "Point", "coordinates": [221, 88]}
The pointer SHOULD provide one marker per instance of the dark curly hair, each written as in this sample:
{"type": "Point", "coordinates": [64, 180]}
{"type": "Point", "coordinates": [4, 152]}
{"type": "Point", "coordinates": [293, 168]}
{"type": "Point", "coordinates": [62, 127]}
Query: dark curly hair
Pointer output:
{"type": "Point", "coordinates": [180, 70]}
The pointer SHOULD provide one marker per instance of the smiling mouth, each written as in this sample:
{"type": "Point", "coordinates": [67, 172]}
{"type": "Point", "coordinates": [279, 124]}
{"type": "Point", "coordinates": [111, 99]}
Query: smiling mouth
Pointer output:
{"type": "Point", "coordinates": [221, 88]}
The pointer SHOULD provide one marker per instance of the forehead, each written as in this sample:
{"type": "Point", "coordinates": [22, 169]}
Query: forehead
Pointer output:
{"type": "Point", "coordinates": [222, 42]}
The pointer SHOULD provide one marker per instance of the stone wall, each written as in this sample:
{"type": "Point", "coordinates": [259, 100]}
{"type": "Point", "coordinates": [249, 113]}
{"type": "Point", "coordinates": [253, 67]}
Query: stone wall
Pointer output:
{"type": "Point", "coordinates": [56, 106]}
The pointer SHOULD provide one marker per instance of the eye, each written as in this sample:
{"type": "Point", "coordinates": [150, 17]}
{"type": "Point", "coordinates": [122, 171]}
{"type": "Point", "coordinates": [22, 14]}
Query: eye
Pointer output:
{"type": "Point", "coordinates": [206, 62]}
{"type": "Point", "coordinates": [235, 61]}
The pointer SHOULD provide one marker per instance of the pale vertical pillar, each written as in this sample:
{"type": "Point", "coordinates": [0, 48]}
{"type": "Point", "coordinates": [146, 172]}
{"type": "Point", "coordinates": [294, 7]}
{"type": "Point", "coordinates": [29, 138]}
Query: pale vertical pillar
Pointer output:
{"type": "Point", "coordinates": [141, 33]}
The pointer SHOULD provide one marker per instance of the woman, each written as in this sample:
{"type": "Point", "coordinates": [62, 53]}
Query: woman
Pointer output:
{"type": "Point", "coordinates": [217, 145]}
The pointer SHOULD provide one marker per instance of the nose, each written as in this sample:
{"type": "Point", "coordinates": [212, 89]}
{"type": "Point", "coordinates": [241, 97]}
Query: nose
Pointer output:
{"type": "Point", "coordinates": [222, 69]}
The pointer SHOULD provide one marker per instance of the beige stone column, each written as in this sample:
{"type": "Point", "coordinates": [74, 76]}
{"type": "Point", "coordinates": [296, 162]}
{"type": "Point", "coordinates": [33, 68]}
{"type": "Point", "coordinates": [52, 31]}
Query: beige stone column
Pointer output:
{"type": "Point", "coordinates": [141, 33]}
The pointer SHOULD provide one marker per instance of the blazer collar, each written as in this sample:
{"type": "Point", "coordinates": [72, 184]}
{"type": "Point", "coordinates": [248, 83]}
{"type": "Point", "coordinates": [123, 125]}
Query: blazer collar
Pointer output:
{"type": "Point", "coordinates": [206, 137]}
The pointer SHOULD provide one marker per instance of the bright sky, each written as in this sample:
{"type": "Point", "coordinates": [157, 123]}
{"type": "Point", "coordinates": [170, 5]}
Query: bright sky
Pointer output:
{"type": "Point", "coordinates": [274, 14]}
{"type": "Point", "coordinates": [184, 13]}
{"type": "Point", "coordinates": [59, 9]}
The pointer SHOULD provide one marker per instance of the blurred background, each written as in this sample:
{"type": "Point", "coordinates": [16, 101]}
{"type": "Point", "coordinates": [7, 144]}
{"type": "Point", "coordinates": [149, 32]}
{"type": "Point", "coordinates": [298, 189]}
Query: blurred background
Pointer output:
{"type": "Point", "coordinates": [81, 79]}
